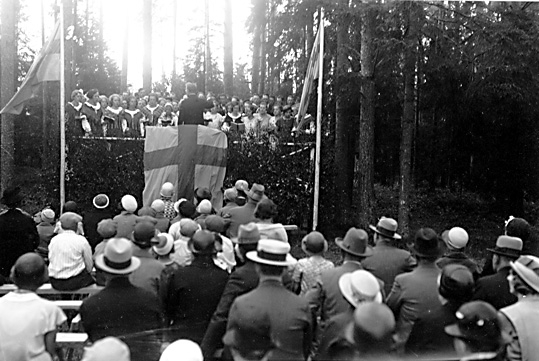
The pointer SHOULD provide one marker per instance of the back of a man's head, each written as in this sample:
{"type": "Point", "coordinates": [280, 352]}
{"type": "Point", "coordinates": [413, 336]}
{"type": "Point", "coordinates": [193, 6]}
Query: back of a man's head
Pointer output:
{"type": "Point", "coordinates": [29, 272]}
{"type": "Point", "coordinates": [268, 270]}
{"type": "Point", "coordinates": [190, 88]}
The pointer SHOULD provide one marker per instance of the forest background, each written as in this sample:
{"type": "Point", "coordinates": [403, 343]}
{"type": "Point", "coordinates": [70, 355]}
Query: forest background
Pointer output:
{"type": "Point", "coordinates": [429, 111]}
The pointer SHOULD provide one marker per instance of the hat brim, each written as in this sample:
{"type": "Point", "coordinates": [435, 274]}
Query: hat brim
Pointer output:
{"type": "Point", "coordinates": [368, 250]}
{"type": "Point", "coordinates": [236, 240]}
{"type": "Point", "coordinates": [253, 256]}
{"type": "Point", "coordinates": [395, 236]}
{"type": "Point", "coordinates": [504, 253]}
{"type": "Point", "coordinates": [454, 330]}
{"type": "Point", "coordinates": [527, 275]}
{"type": "Point", "coordinates": [310, 253]}
{"type": "Point", "coordinates": [100, 263]}
{"type": "Point", "coordinates": [101, 207]}
{"type": "Point", "coordinates": [345, 285]}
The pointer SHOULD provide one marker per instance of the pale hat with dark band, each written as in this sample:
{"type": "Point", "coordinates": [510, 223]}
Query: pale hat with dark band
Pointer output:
{"type": "Point", "coordinates": [273, 253]}
{"type": "Point", "coordinates": [117, 257]}
{"type": "Point", "coordinates": [386, 227]}
{"type": "Point", "coordinates": [360, 286]}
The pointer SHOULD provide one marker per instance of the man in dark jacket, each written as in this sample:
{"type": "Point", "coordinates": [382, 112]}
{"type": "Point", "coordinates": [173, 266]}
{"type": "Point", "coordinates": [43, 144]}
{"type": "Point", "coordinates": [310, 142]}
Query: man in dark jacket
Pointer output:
{"type": "Point", "coordinates": [18, 233]}
{"type": "Point", "coordinates": [100, 211]}
{"type": "Point", "coordinates": [428, 337]}
{"type": "Point", "coordinates": [326, 295]}
{"type": "Point", "coordinates": [242, 280]}
{"type": "Point", "coordinates": [494, 289]}
{"type": "Point", "coordinates": [455, 241]}
{"type": "Point", "coordinates": [120, 308]}
{"type": "Point", "coordinates": [193, 292]}
{"type": "Point", "coordinates": [387, 261]}
{"type": "Point", "coordinates": [192, 108]}
{"type": "Point", "coordinates": [246, 213]}
{"type": "Point", "coordinates": [288, 314]}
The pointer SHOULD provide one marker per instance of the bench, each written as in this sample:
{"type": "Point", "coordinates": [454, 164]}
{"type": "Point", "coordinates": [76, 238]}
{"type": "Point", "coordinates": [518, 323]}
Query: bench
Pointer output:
{"type": "Point", "coordinates": [290, 227]}
{"type": "Point", "coordinates": [68, 305]}
{"type": "Point", "coordinates": [71, 339]}
{"type": "Point", "coordinates": [47, 289]}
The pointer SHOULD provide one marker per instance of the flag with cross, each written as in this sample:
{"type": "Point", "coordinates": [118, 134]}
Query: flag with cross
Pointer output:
{"type": "Point", "coordinates": [188, 156]}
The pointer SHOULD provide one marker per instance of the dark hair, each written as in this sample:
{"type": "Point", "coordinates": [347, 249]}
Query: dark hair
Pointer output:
{"type": "Point", "coordinates": [518, 227]}
{"type": "Point", "coordinates": [29, 276]}
{"type": "Point", "coordinates": [91, 93]}
{"type": "Point", "coordinates": [265, 209]}
{"type": "Point", "coordinates": [191, 88]}
{"type": "Point", "coordinates": [268, 270]}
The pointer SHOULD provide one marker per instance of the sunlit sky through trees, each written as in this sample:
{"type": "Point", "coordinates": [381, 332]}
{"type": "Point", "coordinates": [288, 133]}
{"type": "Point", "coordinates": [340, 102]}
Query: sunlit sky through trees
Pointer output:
{"type": "Point", "coordinates": [116, 12]}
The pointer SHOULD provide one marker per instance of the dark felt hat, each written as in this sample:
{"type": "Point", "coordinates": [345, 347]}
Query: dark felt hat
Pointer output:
{"type": "Point", "coordinates": [427, 243]}
{"type": "Point", "coordinates": [11, 196]}
{"type": "Point", "coordinates": [355, 242]}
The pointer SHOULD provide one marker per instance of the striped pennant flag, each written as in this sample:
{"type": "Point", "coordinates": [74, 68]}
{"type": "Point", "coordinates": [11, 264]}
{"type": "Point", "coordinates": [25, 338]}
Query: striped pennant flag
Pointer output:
{"type": "Point", "coordinates": [310, 77]}
{"type": "Point", "coordinates": [46, 67]}
{"type": "Point", "coordinates": [188, 156]}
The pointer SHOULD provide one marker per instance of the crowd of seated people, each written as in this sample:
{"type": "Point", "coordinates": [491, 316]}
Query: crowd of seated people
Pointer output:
{"type": "Point", "coordinates": [127, 115]}
{"type": "Point", "coordinates": [224, 283]}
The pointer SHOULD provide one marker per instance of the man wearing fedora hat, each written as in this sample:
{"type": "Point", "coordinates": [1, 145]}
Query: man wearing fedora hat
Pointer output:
{"type": "Point", "coordinates": [289, 315]}
{"type": "Point", "coordinates": [478, 333]}
{"type": "Point", "coordinates": [120, 308]}
{"type": "Point", "coordinates": [326, 296]}
{"type": "Point", "coordinates": [356, 288]}
{"type": "Point", "coordinates": [494, 289]}
{"type": "Point", "coordinates": [193, 292]}
{"type": "Point", "coordinates": [416, 293]}
{"type": "Point", "coordinates": [428, 337]}
{"type": "Point", "coordinates": [521, 320]}
{"type": "Point", "coordinates": [245, 213]}
{"type": "Point", "coordinates": [241, 281]}
{"type": "Point", "coordinates": [387, 261]}
{"type": "Point", "coordinates": [19, 233]}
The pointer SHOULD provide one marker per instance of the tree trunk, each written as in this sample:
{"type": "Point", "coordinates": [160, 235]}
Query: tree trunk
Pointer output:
{"type": "Point", "coordinates": [125, 56]}
{"type": "Point", "coordinates": [147, 46]}
{"type": "Point", "coordinates": [175, 35]}
{"type": "Point", "coordinates": [342, 122]}
{"type": "Point", "coordinates": [228, 72]}
{"type": "Point", "coordinates": [70, 67]}
{"type": "Point", "coordinates": [407, 124]}
{"type": "Point", "coordinates": [8, 74]}
{"type": "Point", "coordinates": [263, 50]}
{"type": "Point", "coordinates": [255, 72]}
{"type": "Point", "coordinates": [366, 122]}
{"type": "Point", "coordinates": [207, 50]}
{"type": "Point", "coordinates": [101, 53]}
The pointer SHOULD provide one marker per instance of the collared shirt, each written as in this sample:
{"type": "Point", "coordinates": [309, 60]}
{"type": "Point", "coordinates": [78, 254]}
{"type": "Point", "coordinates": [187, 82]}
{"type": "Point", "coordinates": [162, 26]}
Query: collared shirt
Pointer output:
{"type": "Point", "coordinates": [69, 255]}
{"type": "Point", "coordinates": [26, 318]}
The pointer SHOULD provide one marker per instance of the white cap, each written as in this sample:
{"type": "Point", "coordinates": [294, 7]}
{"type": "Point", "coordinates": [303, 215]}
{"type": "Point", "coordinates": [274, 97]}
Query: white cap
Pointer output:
{"type": "Point", "coordinates": [129, 203]}
{"type": "Point", "coordinates": [457, 238]}
{"type": "Point", "coordinates": [185, 350]}
{"type": "Point", "coordinates": [108, 348]}
{"type": "Point", "coordinates": [204, 207]}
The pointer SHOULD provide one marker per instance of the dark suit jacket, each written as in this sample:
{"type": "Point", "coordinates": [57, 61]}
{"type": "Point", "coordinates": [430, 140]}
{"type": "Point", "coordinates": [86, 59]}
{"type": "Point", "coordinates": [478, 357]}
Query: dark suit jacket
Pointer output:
{"type": "Point", "coordinates": [413, 294]}
{"type": "Point", "coordinates": [241, 215]}
{"type": "Point", "coordinates": [288, 314]}
{"type": "Point", "coordinates": [91, 219]}
{"type": "Point", "coordinates": [192, 109]}
{"type": "Point", "coordinates": [428, 337]}
{"type": "Point", "coordinates": [326, 294]}
{"type": "Point", "coordinates": [387, 262]}
{"type": "Point", "coordinates": [241, 281]}
{"type": "Point", "coordinates": [18, 235]}
{"type": "Point", "coordinates": [333, 342]}
{"type": "Point", "coordinates": [494, 289]}
{"type": "Point", "coordinates": [120, 309]}
{"type": "Point", "coordinates": [455, 257]}
{"type": "Point", "coordinates": [193, 295]}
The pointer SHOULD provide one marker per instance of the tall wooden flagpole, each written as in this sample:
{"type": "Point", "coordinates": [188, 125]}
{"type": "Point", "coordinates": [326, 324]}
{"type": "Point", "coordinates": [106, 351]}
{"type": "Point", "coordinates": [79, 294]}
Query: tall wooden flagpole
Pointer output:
{"type": "Point", "coordinates": [62, 110]}
{"type": "Point", "coordinates": [318, 123]}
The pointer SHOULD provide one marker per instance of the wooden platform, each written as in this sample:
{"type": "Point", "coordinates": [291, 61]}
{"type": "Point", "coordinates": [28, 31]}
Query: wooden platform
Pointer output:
{"type": "Point", "coordinates": [47, 289]}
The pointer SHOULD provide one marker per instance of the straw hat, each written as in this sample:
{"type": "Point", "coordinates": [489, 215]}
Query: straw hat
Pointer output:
{"type": "Point", "coordinates": [360, 286]}
{"type": "Point", "coordinates": [117, 257]}
{"type": "Point", "coordinates": [272, 252]}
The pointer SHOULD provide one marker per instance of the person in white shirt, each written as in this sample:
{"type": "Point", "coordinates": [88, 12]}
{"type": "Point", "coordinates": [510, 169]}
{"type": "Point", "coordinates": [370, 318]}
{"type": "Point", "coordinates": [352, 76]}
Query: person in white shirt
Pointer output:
{"type": "Point", "coordinates": [70, 256]}
{"type": "Point", "coordinates": [29, 322]}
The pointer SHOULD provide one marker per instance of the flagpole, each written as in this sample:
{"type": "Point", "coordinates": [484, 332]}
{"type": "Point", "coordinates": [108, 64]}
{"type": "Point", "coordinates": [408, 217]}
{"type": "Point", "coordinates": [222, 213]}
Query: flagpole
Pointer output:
{"type": "Point", "coordinates": [318, 122]}
{"type": "Point", "coordinates": [62, 109]}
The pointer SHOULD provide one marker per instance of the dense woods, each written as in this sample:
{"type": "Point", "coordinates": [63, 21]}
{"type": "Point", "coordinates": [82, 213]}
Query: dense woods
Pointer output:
{"type": "Point", "coordinates": [418, 96]}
